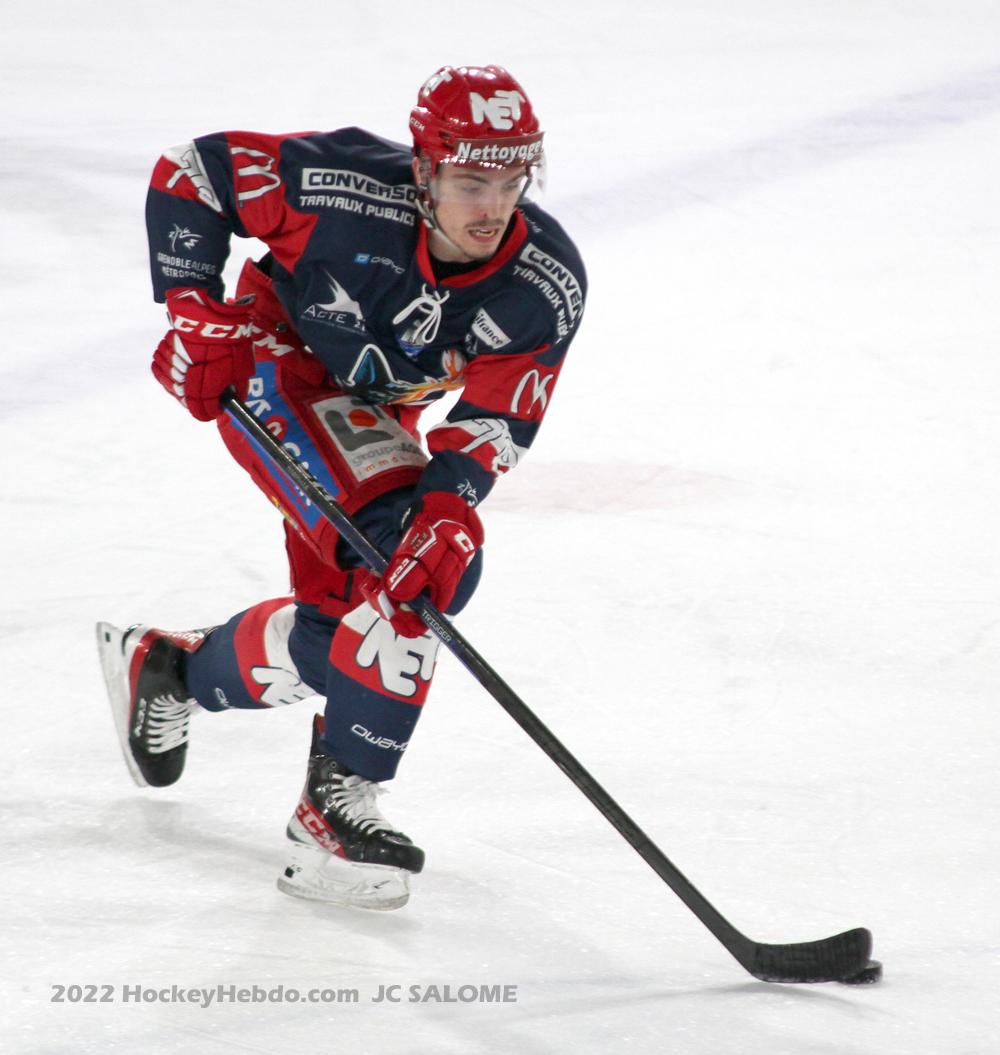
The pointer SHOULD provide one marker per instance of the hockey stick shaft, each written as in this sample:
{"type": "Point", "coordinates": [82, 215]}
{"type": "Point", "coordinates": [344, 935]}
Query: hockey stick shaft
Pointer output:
{"type": "Point", "coordinates": [814, 961]}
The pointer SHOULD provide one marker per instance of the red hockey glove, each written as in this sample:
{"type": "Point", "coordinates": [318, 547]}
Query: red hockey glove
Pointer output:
{"type": "Point", "coordinates": [433, 554]}
{"type": "Point", "coordinates": [209, 348]}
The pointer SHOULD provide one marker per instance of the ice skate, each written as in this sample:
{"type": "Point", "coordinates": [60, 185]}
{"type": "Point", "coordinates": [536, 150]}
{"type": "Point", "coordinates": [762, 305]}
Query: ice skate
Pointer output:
{"type": "Point", "coordinates": [343, 850]}
{"type": "Point", "coordinates": [143, 671]}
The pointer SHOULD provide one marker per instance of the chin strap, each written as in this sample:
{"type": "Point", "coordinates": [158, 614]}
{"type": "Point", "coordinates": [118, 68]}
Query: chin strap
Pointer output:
{"type": "Point", "coordinates": [425, 206]}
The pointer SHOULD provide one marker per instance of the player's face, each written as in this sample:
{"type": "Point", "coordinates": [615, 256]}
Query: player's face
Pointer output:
{"type": "Point", "coordinates": [473, 207]}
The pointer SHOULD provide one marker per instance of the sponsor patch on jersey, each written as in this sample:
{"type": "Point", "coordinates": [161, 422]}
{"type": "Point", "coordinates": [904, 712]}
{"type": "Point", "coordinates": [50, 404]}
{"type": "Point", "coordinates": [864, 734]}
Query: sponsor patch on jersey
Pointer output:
{"type": "Point", "coordinates": [184, 268]}
{"type": "Point", "coordinates": [356, 192]}
{"type": "Point", "coordinates": [559, 275]}
{"type": "Point", "coordinates": [369, 441]}
{"type": "Point", "coordinates": [348, 182]}
{"type": "Point", "coordinates": [487, 330]}
{"type": "Point", "coordinates": [384, 261]}
{"type": "Point", "coordinates": [341, 310]}
{"type": "Point", "coordinates": [556, 282]}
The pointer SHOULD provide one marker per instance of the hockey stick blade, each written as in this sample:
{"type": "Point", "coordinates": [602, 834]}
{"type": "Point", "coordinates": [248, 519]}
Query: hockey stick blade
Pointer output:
{"type": "Point", "coordinates": [832, 959]}
{"type": "Point", "coordinates": [827, 960]}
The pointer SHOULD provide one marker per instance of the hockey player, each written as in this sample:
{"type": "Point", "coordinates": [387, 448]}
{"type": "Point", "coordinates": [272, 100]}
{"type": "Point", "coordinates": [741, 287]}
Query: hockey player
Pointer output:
{"type": "Point", "coordinates": [393, 275]}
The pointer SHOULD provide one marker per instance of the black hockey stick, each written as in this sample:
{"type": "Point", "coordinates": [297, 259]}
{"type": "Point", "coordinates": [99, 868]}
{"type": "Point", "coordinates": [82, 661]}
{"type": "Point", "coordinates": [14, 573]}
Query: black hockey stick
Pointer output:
{"type": "Point", "coordinates": [842, 957]}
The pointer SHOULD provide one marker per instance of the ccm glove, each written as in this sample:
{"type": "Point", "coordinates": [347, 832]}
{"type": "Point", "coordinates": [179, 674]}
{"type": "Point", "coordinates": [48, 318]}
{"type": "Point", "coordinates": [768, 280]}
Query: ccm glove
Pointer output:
{"type": "Point", "coordinates": [209, 347]}
{"type": "Point", "coordinates": [439, 544]}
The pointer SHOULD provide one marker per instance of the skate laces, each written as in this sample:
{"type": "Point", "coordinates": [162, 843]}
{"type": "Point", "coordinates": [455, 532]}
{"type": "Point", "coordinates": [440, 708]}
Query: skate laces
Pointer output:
{"type": "Point", "coordinates": [355, 798]}
{"type": "Point", "coordinates": [166, 724]}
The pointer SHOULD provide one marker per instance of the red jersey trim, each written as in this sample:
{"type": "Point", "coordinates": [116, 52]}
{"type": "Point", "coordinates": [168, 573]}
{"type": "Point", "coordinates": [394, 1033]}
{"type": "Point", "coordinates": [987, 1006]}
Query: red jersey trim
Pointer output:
{"type": "Point", "coordinates": [515, 240]}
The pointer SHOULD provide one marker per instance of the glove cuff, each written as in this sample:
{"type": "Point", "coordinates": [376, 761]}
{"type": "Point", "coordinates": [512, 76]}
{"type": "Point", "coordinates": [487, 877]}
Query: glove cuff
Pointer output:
{"type": "Point", "coordinates": [193, 312]}
{"type": "Point", "coordinates": [445, 505]}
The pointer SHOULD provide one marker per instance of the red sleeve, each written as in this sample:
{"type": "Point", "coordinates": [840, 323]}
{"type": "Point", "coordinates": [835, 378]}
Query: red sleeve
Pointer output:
{"type": "Point", "coordinates": [241, 178]}
{"type": "Point", "coordinates": [517, 386]}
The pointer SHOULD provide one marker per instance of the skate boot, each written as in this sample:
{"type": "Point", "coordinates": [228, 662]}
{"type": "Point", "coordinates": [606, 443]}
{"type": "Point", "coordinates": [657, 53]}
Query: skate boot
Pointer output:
{"type": "Point", "coordinates": [144, 672]}
{"type": "Point", "coordinates": [343, 850]}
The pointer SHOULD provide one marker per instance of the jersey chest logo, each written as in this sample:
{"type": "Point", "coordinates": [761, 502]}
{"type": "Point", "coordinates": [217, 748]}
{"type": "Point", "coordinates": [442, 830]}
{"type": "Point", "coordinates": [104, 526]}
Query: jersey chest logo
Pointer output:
{"type": "Point", "coordinates": [423, 318]}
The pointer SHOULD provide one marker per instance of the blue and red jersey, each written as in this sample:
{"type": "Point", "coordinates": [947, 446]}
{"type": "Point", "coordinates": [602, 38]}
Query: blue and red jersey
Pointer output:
{"type": "Point", "coordinates": [350, 264]}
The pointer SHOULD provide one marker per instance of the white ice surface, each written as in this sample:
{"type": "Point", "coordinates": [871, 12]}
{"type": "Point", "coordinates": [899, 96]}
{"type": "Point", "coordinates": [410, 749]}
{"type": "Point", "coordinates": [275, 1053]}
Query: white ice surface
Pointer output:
{"type": "Point", "coordinates": [750, 573]}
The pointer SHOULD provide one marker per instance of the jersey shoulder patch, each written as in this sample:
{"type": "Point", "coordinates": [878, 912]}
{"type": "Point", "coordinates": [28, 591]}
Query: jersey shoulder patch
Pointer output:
{"type": "Point", "coordinates": [549, 263]}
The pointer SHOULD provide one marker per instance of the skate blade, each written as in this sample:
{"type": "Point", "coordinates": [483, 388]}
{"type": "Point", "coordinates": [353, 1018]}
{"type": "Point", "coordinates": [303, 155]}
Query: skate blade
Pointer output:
{"type": "Point", "coordinates": [316, 875]}
{"type": "Point", "coordinates": [109, 647]}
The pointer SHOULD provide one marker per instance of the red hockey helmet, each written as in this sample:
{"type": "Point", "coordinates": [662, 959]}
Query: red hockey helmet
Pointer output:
{"type": "Point", "coordinates": [475, 115]}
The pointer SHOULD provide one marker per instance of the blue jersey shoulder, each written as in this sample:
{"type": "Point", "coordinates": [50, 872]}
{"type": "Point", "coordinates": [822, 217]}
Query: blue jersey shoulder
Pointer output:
{"type": "Point", "coordinates": [546, 271]}
{"type": "Point", "coordinates": [351, 149]}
